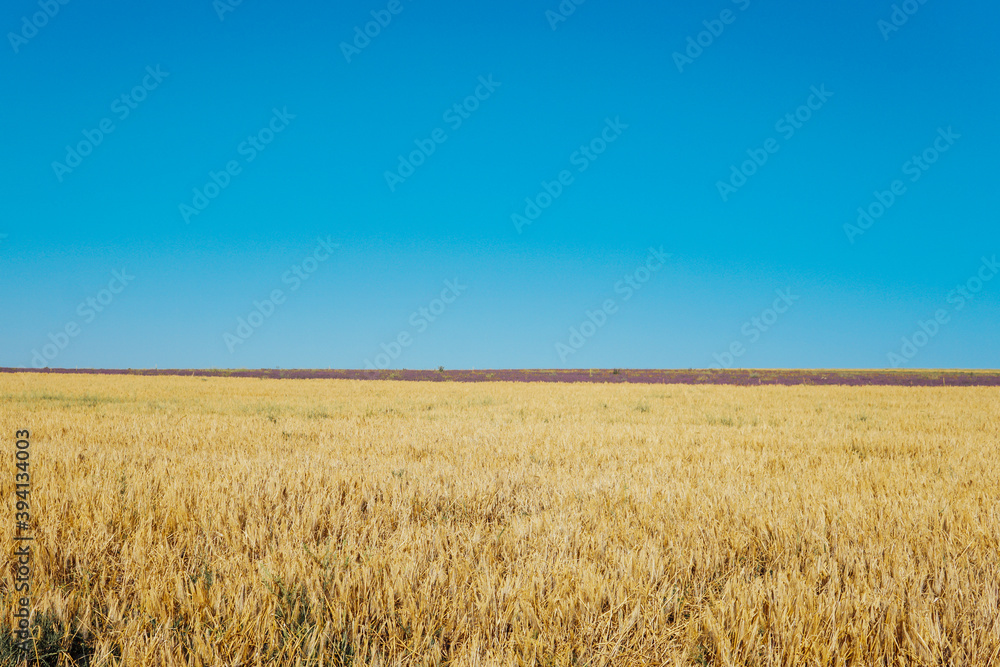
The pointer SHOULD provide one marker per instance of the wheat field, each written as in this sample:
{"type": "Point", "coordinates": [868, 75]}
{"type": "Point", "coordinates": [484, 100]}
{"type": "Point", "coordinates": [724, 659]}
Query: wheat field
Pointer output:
{"type": "Point", "coordinates": [223, 521]}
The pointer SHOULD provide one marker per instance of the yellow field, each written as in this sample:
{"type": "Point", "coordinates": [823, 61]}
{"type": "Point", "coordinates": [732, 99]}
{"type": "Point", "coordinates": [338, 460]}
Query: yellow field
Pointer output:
{"type": "Point", "coordinates": [189, 521]}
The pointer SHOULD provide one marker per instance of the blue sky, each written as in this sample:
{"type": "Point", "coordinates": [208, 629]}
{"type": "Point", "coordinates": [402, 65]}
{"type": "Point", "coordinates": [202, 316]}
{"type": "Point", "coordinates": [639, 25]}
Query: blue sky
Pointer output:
{"type": "Point", "coordinates": [642, 138]}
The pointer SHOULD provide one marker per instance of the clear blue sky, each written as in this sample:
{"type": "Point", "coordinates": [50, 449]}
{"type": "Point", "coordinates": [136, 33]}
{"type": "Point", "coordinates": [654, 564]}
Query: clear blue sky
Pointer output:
{"type": "Point", "coordinates": [678, 116]}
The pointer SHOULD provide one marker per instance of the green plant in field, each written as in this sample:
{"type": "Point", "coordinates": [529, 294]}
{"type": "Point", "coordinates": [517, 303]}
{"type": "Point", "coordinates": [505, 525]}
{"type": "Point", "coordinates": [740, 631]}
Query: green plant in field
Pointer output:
{"type": "Point", "coordinates": [51, 645]}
